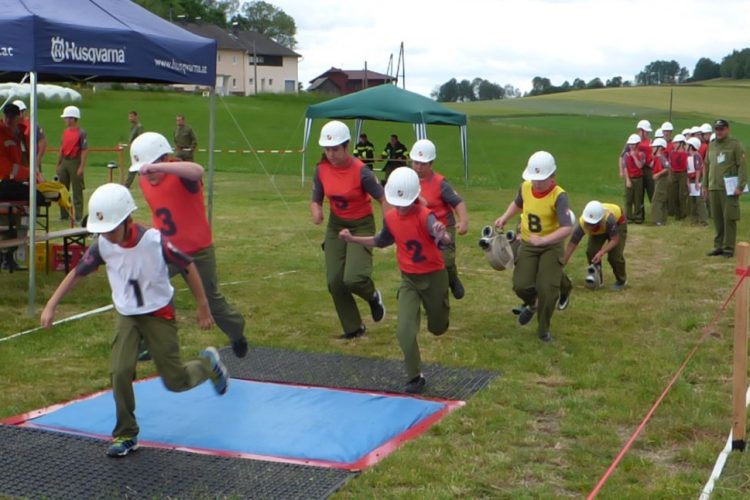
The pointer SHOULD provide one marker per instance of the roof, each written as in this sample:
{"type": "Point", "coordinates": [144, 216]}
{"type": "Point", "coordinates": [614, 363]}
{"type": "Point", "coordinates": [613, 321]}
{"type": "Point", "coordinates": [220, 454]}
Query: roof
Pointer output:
{"type": "Point", "coordinates": [387, 103]}
{"type": "Point", "coordinates": [356, 74]}
{"type": "Point", "coordinates": [240, 40]}
{"type": "Point", "coordinates": [109, 40]}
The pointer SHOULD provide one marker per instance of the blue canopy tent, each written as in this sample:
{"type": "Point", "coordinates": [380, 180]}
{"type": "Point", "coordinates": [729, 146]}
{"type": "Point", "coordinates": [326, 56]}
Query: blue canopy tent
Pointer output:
{"type": "Point", "coordinates": [107, 40]}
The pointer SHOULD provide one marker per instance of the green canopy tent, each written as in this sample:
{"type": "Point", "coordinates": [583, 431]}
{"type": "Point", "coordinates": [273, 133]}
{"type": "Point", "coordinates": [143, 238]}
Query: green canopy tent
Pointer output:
{"type": "Point", "coordinates": [388, 103]}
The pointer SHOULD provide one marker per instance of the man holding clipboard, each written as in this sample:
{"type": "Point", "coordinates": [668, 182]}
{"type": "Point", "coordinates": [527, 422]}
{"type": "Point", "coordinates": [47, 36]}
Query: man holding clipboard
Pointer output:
{"type": "Point", "coordinates": [726, 171]}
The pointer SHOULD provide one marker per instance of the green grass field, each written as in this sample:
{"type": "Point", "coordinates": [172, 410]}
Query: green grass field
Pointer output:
{"type": "Point", "coordinates": [558, 415]}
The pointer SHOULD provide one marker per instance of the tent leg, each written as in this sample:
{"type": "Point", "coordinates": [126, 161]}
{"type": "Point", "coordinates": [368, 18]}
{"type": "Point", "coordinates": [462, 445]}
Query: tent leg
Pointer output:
{"type": "Point", "coordinates": [211, 144]}
{"type": "Point", "coordinates": [32, 197]}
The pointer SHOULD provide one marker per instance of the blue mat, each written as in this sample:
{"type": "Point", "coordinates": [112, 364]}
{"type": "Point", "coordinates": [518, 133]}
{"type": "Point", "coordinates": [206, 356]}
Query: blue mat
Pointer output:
{"type": "Point", "coordinates": [255, 418]}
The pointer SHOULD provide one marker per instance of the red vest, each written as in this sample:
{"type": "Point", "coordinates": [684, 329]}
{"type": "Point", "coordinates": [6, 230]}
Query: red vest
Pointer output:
{"type": "Point", "coordinates": [416, 250]}
{"type": "Point", "coordinates": [430, 191]}
{"type": "Point", "coordinates": [343, 188]}
{"type": "Point", "coordinates": [10, 152]}
{"type": "Point", "coordinates": [71, 142]}
{"type": "Point", "coordinates": [633, 170]}
{"type": "Point", "coordinates": [678, 160]}
{"type": "Point", "coordinates": [658, 165]}
{"type": "Point", "coordinates": [178, 213]}
{"type": "Point", "coordinates": [645, 147]}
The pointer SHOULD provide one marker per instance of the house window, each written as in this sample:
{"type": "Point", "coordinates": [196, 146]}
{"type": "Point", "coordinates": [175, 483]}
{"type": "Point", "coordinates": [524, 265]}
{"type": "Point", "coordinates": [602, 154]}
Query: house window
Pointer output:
{"type": "Point", "coordinates": [234, 82]}
{"type": "Point", "coordinates": [234, 59]}
{"type": "Point", "coordinates": [270, 82]}
{"type": "Point", "coordinates": [218, 57]}
{"type": "Point", "coordinates": [251, 80]}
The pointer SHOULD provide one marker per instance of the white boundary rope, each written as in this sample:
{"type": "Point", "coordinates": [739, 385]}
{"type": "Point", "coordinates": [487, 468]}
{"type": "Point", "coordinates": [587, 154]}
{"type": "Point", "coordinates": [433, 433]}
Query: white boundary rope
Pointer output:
{"type": "Point", "coordinates": [720, 461]}
{"type": "Point", "coordinates": [64, 320]}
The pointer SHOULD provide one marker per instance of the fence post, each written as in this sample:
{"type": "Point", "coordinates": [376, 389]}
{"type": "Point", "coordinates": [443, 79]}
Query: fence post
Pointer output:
{"type": "Point", "coordinates": [120, 162]}
{"type": "Point", "coordinates": [739, 379]}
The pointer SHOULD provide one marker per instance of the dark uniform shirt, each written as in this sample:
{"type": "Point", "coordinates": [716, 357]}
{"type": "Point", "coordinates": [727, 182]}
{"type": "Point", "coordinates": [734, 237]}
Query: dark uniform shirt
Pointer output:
{"type": "Point", "coordinates": [365, 151]}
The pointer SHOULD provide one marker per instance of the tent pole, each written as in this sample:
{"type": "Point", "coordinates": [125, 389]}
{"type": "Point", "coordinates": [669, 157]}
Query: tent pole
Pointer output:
{"type": "Point", "coordinates": [32, 196]}
{"type": "Point", "coordinates": [305, 139]}
{"type": "Point", "coordinates": [211, 144]}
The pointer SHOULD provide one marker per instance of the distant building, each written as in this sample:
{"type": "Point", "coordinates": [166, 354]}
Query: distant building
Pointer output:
{"type": "Point", "coordinates": [345, 81]}
{"type": "Point", "coordinates": [272, 69]}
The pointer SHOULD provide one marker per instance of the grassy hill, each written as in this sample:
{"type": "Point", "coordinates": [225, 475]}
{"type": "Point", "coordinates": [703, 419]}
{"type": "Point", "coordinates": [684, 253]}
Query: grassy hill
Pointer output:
{"type": "Point", "coordinates": [558, 415]}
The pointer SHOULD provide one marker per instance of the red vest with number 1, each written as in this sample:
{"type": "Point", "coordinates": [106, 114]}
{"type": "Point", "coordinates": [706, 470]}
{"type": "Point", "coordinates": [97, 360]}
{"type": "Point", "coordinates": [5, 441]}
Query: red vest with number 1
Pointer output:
{"type": "Point", "coordinates": [416, 250]}
{"type": "Point", "coordinates": [178, 213]}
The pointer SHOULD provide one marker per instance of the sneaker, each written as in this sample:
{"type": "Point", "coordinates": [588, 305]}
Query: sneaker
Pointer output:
{"type": "Point", "coordinates": [457, 288]}
{"type": "Point", "coordinates": [121, 446]}
{"type": "Point", "coordinates": [517, 310]}
{"type": "Point", "coordinates": [563, 301]}
{"type": "Point", "coordinates": [526, 314]}
{"type": "Point", "coordinates": [545, 337]}
{"type": "Point", "coordinates": [377, 308]}
{"type": "Point", "coordinates": [416, 385]}
{"type": "Point", "coordinates": [619, 285]}
{"type": "Point", "coordinates": [239, 347]}
{"type": "Point", "coordinates": [144, 355]}
{"type": "Point", "coordinates": [356, 333]}
{"type": "Point", "coordinates": [715, 252]}
{"type": "Point", "coordinates": [219, 374]}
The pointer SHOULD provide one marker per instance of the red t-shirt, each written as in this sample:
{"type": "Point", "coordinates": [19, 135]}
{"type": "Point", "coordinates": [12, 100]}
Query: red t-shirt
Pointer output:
{"type": "Point", "coordinates": [10, 154]}
{"type": "Point", "coordinates": [633, 170]}
{"type": "Point", "coordinates": [645, 147]}
{"type": "Point", "coordinates": [416, 249]}
{"type": "Point", "coordinates": [73, 141]}
{"type": "Point", "coordinates": [178, 211]}
{"type": "Point", "coordinates": [343, 188]}
{"type": "Point", "coordinates": [658, 164]}
{"type": "Point", "coordinates": [678, 160]}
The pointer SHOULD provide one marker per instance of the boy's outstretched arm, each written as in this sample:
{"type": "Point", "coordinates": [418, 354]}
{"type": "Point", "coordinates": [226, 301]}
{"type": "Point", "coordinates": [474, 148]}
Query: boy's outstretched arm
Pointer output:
{"type": "Point", "coordinates": [67, 284]}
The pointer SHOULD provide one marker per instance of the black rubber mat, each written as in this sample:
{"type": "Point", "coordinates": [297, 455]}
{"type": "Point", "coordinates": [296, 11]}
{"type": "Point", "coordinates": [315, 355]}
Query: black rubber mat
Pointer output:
{"type": "Point", "coordinates": [42, 464]}
{"type": "Point", "coordinates": [351, 372]}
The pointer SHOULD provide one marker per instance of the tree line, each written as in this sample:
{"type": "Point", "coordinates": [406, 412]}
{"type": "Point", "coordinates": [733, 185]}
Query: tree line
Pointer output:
{"type": "Point", "coordinates": [259, 16]}
{"type": "Point", "coordinates": [735, 66]}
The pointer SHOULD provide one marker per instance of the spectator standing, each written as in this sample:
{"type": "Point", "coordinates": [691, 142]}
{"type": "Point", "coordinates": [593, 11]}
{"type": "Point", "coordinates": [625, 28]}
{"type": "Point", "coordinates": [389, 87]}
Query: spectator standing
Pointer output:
{"type": "Point", "coordinates": [71, 162]}
{"type": "Point", "coordinates": [725, 161]}
{"type": "Point", "coordinates": [365, 151]}
{"type": "Point", "coordinates": [395, 152]}
{"type": "Point", "coordinates": [349, 186]}
{"type": "Point", "coordinates": [24, 126]}
{"type": "Point", "coordinates": [678, 177]}
{"type": "Point", "coordinates": [136, 129]}
{"type": "Point", "coordinates": [661, 182]}
{"type": "Point", "coordinates": [633, 160]}
{"type": "Point", "coordinates": [185, 141]}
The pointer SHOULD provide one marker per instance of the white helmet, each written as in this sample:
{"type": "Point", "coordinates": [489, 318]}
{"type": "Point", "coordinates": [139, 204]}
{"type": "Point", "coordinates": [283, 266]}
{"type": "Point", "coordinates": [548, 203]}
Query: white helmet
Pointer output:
{"type": "Point", "coordinates": [687, 131]}
{"type": "Point", "coordinates": [695, 130]}
{"type": "Point", "coordinates": [147, 148]}
{"type": "Point", "coordinates": [695, 142]}
{"type": "Point", "coordinates": [634, 139]}
{"type": "Point", "coordinates": [402, 187]}
{"type": "Point", "coordinates": [658, 133]}
{"type": "Point", "coordinates": [667, 126]}
{"type": "Point", "coordinates": [659, 143]}
{"type": "Point", "coordinates": [594, 212]}
{"type": "Point", "coordinates": [706, 128]}
{"type": "Point", "coordinates": [334, 133]}
{"type": "Point", "coordinates": [109, 205]}
{"type": "Point", "coordinates": [21, 105]}
{"type": "Point", "coordinates": [540, 166]}
{"type": "Point", "coordinates": [644, 125]}
{"type": "Point", "coordinates": [423, 151]}
{"type": "Point", "coordinates": [679, 138]}
{"type": "Point", "coordinates": [71, 112]}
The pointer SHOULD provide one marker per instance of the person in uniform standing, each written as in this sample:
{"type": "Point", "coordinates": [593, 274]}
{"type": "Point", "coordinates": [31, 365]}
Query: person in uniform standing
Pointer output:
{"type": "Point", "coordinates": [349, 186]}
{"type": "Point", "coordinates": [633, 161]}
{"type": "Point", "coordinates": [24, 126]}
{"type": "Point", "coordinates": [395, 152]}
{"type": "Point", "coordinates": [174, 191]}
{"type": "Point", "coordinates": [365, 151]}
{"type": "Point", "coordinates": [136, 260]}
{"type": "Point", "coordinates": [71, 162]}
{"type": "Point", "coordinates": [725, 162]}
{"type": "Point", "coordinates": [661, 182]}
{"type": "Point", "coordinates": [418, 234]}
{"type": "Point", "coordinates": [545, 224]}
{"type": "Point", "coordinates": [443, 201]}
{"type": "Point", "coordinates": [136, 129]}
{"type": "Point", "coordinates": [607, 229]}
{"type": "Point", "coordinates": [185, 140]}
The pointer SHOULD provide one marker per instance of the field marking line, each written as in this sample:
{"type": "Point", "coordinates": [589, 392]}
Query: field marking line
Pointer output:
{"type": "Point", "coordinates": [720, 461]}
{"type": "Point", "coordinates": [59, 321]}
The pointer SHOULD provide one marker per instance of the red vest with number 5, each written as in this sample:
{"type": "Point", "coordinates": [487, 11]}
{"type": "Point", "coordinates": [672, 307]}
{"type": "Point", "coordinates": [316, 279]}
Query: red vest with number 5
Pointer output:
{"type": "Point", "coordinates": [416, 250]}
{"type": "Point", "coordinates": [343, 188]}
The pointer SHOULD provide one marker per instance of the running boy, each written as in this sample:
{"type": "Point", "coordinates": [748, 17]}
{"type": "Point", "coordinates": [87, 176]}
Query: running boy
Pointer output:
{"type": "Point", "coordinates": [417, 234]}
{"type": "Point", "coordinates": [174, 191]}
{"type": "Point", "coordinates": [442, 200]}
{"type": "Point", "coordinates": [136, 259]}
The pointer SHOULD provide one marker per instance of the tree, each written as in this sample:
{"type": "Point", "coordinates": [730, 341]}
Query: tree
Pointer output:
{"type": "Point", "coordinates": [510, 92]}
{"type": "Point", "coordinates": [658, 73]}
{"type": "Point", "coordinates": [267, 20]}
{"type": "Point", "coordinates": [489, 91]}
{"type": "Point", "coordinates": [706, 69]}
{"type": "Point", "coordinates": [616, 81]}
{"type": "Point", "coordinates": [736, 65]}
{"type": "Point", "coordinates": [540, 86]}
{"type": "Point", "coordinates": [466, 91]}
{"type": "Point", "coordinates": [448, 92]}
{"type": "Point", "coordinates": [579, 84]}
{"type": "Point", "coordinates": [208, 11]}
{"type": "Point", "coordinates": [596, 83]}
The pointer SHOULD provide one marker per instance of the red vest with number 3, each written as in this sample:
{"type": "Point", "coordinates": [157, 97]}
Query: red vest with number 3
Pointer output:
{"type": "Point", "coordinates": [416, 250]}
{"type": "Point", "coordinates": [343, 188]}
{"type": "Point", "coordinates": [178, 213]}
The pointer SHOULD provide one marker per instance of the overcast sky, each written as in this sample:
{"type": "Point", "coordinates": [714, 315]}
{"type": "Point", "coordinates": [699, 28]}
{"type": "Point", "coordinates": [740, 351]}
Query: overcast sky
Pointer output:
{"type": "Point", "coordinates": [511, 42]}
